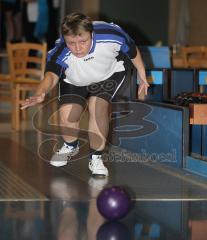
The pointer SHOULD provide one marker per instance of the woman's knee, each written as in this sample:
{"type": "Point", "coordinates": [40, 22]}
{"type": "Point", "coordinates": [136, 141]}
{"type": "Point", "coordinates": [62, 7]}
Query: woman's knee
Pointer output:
{"type": "Point", "coordinates": [70, 113]}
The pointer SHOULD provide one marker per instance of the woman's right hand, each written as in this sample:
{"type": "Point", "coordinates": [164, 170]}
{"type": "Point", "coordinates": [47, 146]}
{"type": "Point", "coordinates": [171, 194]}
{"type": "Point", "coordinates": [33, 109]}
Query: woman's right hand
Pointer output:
{"type": "Point", "coordinates": [31, 101]}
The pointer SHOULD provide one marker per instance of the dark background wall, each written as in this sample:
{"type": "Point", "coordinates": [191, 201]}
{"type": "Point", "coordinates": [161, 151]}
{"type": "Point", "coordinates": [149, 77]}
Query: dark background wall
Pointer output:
{"type": "Point", "coordinates": [146, 20]}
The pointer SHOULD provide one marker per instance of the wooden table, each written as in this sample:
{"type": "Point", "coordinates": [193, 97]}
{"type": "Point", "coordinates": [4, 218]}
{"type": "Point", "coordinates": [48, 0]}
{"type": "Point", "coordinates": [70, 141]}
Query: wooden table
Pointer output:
{"type": "Point", "coordinates": [198, 113]}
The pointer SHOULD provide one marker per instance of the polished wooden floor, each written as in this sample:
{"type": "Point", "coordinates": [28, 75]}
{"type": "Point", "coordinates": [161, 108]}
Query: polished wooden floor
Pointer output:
{"type": "Point", "coordinates": [39, 201]}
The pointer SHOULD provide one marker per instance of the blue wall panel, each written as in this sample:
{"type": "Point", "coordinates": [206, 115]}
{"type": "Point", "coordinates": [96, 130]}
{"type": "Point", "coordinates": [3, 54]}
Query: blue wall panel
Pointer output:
{"type": "Point", "coordinates": [196, 139]}
{"type": "Point", "coordinates": [165, 143]}
{"type": "Point", "coordinates": [182, 81]}
{"type": "Point", "coordinates": [204, 141]}
{"type": "Point", "coordinates": [202, 75]}
{"type": "Point", "coordinates": [155, 57]}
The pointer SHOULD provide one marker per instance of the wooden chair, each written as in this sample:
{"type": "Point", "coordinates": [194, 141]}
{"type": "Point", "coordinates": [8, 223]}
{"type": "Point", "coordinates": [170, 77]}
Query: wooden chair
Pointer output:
{"type": "Point", "coordinates": [27, 64]}
{"type": "Point", "coordinates": [5, 80]}
{"type": "Point", "coordinates": [194, 56]}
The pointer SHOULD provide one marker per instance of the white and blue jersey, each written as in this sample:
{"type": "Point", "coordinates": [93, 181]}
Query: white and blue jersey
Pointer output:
{"type": "Point", "coordinates": [109, 43]}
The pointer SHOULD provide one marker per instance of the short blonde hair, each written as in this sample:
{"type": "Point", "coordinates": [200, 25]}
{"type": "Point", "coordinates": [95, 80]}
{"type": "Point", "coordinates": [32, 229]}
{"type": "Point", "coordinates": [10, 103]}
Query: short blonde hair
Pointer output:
{"type": "Point", "coordinates": [75, 24]}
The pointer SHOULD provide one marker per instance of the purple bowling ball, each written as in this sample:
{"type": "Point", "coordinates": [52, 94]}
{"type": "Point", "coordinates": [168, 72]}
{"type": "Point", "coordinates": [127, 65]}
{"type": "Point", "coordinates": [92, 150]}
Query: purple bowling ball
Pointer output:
{"type": "Point", "coordinates": [113, 203]}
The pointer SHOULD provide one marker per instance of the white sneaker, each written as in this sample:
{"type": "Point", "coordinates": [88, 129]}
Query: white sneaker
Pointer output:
{"type": "Point", "coordinates": [60, 158]}
{"type": "Point", "coordinates": [97, 167]}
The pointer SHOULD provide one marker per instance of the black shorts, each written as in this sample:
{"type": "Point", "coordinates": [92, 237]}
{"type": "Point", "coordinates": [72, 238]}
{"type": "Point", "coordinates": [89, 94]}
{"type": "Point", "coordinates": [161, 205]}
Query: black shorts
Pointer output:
{"type": "Point", "coordinates": [106, 89]}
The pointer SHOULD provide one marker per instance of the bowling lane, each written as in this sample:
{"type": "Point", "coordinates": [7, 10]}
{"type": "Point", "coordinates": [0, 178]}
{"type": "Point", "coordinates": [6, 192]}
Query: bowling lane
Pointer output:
{"type": "Point", "coordinates": [145, 180]}
{"type": "Point", "coordinates": [150, 180]}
